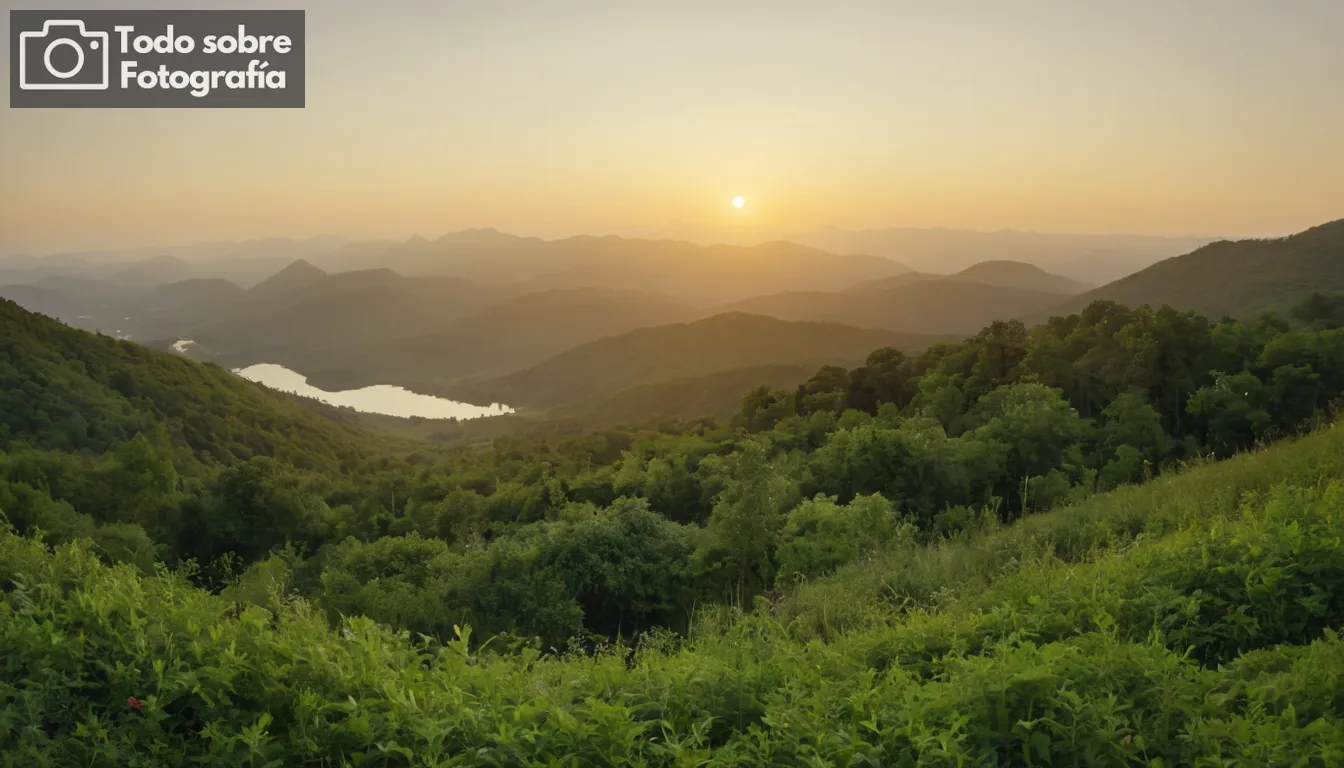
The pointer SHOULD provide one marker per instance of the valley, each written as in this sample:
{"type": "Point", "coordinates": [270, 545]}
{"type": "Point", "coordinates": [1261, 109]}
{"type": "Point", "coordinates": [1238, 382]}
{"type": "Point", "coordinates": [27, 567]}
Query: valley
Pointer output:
{"type": "Point", "coordinates": [458, 331]}
{"type": "Point", "coordinates": [857, 384]}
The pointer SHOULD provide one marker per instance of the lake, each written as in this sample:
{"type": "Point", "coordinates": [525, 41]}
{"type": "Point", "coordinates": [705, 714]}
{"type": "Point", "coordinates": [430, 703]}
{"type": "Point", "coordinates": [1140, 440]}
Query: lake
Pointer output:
{"type": "Point", "coordinates": [380, 398]}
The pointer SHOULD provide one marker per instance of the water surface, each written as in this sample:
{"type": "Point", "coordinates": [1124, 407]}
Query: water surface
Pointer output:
{"type": "Point", "coordinates": [379, 398]}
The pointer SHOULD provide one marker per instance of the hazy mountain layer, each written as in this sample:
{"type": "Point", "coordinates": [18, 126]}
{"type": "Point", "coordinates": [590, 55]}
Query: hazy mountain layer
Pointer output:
{"type": "Point", "coordinates": [649, 355]}
{"type": "Point", "coordinates": [1094, 259]}
{"type": "Point", "coordinates": [937, 306]}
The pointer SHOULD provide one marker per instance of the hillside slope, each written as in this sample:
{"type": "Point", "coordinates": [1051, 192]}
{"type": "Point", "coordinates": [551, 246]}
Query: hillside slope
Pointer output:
{"type": "Point", "coordinates": [1018, 274]}
{"type": "Point", "coordinates": [718, 393]}
{"type": "Point", "coordinates": [1173, 624]}
{"type": "Point", "coordinates": [946, 307]}
{"type": "Point", "coordinates": [607, 366]}
{"type": "Point", "coordinates": [1229, 277]}
{"type": "Point", "coordinates": [336, 318]}
{"type": "Point", "coordinates": [503, 337]}
{"type": "Point", "coordinates": [1094, 259]}
{"type": "Point", "coordinates": [71, 390]}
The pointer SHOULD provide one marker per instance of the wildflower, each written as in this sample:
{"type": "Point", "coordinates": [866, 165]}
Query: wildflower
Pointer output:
{"type": "Point", "coordinates": [134, 702]}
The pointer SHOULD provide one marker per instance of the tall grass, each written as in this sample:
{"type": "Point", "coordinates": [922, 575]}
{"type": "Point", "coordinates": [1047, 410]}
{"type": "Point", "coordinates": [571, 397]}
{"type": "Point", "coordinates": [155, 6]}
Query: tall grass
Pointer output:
{"type": "Point", "coordinates": [877, 590]}
{"type": "Point", "coordinates": [1187, 622]}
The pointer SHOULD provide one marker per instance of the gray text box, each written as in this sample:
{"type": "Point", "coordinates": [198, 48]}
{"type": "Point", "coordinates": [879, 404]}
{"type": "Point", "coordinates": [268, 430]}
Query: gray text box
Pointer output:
{"type": "Point", "coordinates": [249, 59]}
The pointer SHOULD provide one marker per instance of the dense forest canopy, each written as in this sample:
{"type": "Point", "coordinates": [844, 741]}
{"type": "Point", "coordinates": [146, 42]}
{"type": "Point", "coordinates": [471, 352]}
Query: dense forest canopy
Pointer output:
{"type": "Point", "coordinates": [1179, 623]}
{"type": "Point", "coordinates": [180, 461]}
{"type": "Point", "coordinates": [799, 518]}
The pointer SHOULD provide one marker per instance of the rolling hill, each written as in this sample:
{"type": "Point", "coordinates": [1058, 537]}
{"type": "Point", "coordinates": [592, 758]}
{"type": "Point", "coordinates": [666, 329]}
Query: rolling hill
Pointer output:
{"type": "Point", "coordinates": [335, 317]}
{"type": "Point", "coordinates": [896, 281]}
{"type": "Point", "coordinates": [503, 337]}
{"type": "Point", "coordinates": [359, 327]}
{"type": "Point", "coordinates": [1094, 259]}
{"type": "Point", "coordinates": [690, 397]}
{"type": "Point", "coordinates": [939, 306]}
{"type": "Point", "coordinates": [605, 367]}
{"type": "Point", "coordinates": [70, 390]}
{"type": "Point", "coordinates": [1018, 274]}
{"type": "Point", "coordinates": [1229, 277]}
{"type": "Point", "coordinates": [1002, 274]}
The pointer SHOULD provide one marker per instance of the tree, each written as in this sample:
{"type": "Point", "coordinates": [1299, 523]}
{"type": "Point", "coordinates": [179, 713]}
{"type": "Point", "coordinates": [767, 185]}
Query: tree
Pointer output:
{"type": "Point", "coordinates": [749, 511]}
{"type": "Point", "coordinates": [138, 480]}
{"type": "Point", "coordinates": [1039, 430]}
{"type": "Point", "coordinates": [1131, 440]}
{"type": "Point", "coordinates": [820, 535]}
{"type": "Point", "coordinates": [1231, 412]}
{"type": "Point", "coordinates": [252, 508]}
{"type": "Point", "coordinates": [626, 568]}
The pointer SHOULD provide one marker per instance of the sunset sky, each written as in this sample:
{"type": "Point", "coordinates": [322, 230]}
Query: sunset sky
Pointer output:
{"type": "Point", "coordinates": [1217, 117]}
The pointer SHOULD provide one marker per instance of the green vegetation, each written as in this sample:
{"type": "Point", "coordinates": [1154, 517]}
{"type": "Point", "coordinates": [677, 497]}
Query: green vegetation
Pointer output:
{"type": "Point", "coordinates": [1231, 278]}
{"type": "Point", "coordinates": [718, 393]}
{"type": "Point", "coordinates": [1009, 550]}
{"type": "Point", "coordinates": [83, 395]}
{"type": "Point", "coordinates": [1197, 632]}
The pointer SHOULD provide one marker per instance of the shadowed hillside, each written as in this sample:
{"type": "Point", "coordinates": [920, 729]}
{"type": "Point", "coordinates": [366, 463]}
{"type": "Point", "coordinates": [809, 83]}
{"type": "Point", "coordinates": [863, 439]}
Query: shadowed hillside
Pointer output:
{"type": "Point", "coordinates": [1229, 277]}
{"type": "Point", "coordinates": [726, 341]}
{"type": "Point", "coordinates": [1094, 259]}
{"type": "Point", "coordinates": [939, 306]}
{"type": "Point", "coordinates": [503, 337]}
{"type": "Point", "coordinates": [1017, 274]}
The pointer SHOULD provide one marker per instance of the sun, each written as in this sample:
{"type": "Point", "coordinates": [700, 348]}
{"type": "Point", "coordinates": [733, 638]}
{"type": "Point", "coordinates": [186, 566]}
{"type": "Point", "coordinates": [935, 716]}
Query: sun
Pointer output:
{"type": "Point", "coordinates": [739, 201]}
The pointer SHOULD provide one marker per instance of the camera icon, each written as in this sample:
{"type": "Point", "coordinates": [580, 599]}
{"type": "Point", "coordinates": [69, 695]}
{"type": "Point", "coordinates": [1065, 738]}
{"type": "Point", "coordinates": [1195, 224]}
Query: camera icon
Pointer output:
{"type": "Point", "coordinates": [44, 58]}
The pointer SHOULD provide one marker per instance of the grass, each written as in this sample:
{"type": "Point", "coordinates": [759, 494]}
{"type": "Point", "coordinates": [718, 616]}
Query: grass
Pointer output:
{"type": "Point", "coordinates": [882, 587]}
{"type": "Point", "coordinates": [1190, 621]}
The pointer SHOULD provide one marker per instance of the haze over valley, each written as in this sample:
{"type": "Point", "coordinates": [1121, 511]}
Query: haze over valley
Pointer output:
{"type": "Point", "coordinates": [596, 383]}
{"type": "Point", "coordinates": [479, 318]}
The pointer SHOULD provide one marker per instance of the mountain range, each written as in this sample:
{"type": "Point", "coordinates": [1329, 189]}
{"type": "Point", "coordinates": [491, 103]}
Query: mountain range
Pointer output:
{"type": "Point", "coordinates": [938, 306]}
{"type": "Point", "coordinates": [701, 274]}
{"type": "Point", "coordinates": [1094, 259]}
{"type": "Point", "coordinates": [568, 333]}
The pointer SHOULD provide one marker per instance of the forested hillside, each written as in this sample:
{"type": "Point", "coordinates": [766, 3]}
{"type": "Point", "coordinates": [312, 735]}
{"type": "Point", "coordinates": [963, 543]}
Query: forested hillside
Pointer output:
{"type": "Point", "coordinates": [1177, 624]}
{"type": "Point", "coordinates": [863, 512]}
{"type": "Point", "coordinates": [68, 390]}
{"type": "Point", "coordinates": [1010, 420]}
{"type": "Point", "coordinates": [1231, 278]}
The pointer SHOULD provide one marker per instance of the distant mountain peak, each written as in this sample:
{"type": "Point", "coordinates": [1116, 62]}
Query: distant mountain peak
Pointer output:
{"type": "Point", "coordinates": [1019, 274]}
{"type": "Point", "coordinates": [1003, 264]}
{"type": "Point", "coordinates": [301, 266]}
{"type": "Point", "coordinates": [296, 274]}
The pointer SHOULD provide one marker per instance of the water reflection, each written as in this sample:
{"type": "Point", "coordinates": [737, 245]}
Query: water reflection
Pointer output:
{"type": "Point", "coordinates": [380, 398]}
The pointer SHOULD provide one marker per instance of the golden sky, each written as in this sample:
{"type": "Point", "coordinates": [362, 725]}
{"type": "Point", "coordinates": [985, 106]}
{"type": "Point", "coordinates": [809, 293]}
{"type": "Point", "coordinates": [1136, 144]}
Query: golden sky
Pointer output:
{"type": "Point", "coordinates": [1216, 117]}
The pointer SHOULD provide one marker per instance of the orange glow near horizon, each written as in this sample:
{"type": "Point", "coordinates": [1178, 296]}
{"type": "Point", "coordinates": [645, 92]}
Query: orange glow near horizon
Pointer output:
{"type": "Point", "coordinates": [590, 117]}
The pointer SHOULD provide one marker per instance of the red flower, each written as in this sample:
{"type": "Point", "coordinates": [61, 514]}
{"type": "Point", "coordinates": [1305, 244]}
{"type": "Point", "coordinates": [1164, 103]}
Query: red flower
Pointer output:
{"type": "Point", "coordinates": [134, 702]}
